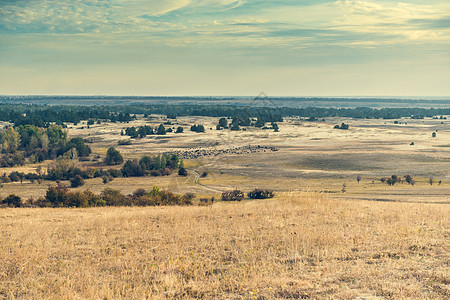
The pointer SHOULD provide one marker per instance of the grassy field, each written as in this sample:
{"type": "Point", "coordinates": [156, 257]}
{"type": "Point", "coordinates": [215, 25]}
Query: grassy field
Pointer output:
{"type": "Point", "coordinates": [297, 246]}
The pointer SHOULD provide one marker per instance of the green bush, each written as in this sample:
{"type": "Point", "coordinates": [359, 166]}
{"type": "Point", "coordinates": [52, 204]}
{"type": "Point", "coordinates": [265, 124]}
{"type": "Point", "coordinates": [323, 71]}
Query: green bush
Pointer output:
{"type": "Point", "coordinates": [235, 195]}
{"type": "Point", "coordinates": [13, 201]}
{"type": "Point", "coordinates": [260, 194]}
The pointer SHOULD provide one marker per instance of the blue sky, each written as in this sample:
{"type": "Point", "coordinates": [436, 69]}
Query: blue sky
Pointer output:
{"type": "Point", "coordinates": [225, 47]}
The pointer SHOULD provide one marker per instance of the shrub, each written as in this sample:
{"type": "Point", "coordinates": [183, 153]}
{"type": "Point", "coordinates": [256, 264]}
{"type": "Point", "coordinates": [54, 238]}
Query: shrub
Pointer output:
{"type": "Point", "coordinates": [13, 201]}
{"type": "Point", "coordinates": [155, 173]}
{"type": "Point", "coordinates": [343, 126]}
{"type": "Point", "coordinates": [114, 173]}
{"type": "Point", "coordinates": [56, 196]}
{"type": "Point", "coordinates": [107, 178]}
{"type": "Point", "coordinates": [124, 142]}
{"type": "Point", "coordinates": [182, 172]}
{"type": "Point", "coordinates": [113, 197]}
{"type": "Point", "coordinates": [166, 172]}
{"type": "Point", "coordinates": [260, 194]}
{"type": "Point", "coordinates": [235, 195]}
{"type": "Point", "coordinates": [204, 174]}
{"type": "Point", "coordinates": [76, 181]}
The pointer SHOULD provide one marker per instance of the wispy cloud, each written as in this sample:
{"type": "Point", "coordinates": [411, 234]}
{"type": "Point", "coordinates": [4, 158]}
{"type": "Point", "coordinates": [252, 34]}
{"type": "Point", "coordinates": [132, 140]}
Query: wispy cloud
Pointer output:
{"type": "Point", "coordinates": [222, 33]}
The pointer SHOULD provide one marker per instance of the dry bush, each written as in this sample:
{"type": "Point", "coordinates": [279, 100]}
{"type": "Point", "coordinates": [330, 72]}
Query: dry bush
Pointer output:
{"type": "Point", "coordinates": [297, 246]}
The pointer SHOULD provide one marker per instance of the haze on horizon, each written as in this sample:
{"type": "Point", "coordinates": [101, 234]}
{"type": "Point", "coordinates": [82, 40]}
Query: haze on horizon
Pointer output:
{"type": "Point", "coordinates": [225, 47]}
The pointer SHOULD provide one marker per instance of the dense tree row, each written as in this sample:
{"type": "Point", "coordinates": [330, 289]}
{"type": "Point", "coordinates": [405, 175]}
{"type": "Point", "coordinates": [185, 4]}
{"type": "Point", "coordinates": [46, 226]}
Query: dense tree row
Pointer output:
{"type": "Point", "coordinates": [61, 196]}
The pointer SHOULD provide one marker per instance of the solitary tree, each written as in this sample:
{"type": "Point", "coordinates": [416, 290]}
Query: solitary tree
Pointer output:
{"type": "Point", "coordinates": [275, 127]}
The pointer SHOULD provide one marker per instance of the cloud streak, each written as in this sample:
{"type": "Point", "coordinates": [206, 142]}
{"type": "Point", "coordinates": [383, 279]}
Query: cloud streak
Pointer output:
{"type": "Point", "coordinates": [204, 34]}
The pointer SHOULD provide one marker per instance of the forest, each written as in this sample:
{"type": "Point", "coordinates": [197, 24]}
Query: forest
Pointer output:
{"type": "Point", "coordinates": [45, 115]}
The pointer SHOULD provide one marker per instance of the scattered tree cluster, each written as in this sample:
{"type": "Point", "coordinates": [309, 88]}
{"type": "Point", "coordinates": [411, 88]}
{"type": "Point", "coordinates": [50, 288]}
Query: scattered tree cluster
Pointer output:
{"type": "Point", "coordinates": [160, 165]}
{"type": "Point", "coordinates": [28, 143]}
{"type": "Point", "coordinates": [143, 131]}
{"type": "Point", "coordinates": [245, 121]}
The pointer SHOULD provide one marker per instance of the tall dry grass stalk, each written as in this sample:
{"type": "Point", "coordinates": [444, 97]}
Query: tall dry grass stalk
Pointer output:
{"type": "Point", "coordinates": [296, 246]}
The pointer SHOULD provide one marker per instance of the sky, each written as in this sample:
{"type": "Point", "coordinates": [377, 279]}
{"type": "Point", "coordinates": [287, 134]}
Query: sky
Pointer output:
{"type": "Point", "coordinates": [225, 47]}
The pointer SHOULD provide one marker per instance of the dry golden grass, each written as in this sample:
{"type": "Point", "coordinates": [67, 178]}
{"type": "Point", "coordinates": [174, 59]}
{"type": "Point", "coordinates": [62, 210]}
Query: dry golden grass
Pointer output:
{"type": "Point", "coordinates": [296, 246]}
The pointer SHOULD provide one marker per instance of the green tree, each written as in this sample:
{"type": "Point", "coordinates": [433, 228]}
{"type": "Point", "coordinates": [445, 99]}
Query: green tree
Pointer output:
{"type": "Point", "coordinates": [235, 127]}
{"type": "Point", "coordinates": [78, 143]}
{"type": "Point", "coordinates": [161, 130]}
{"type": "Point", "coordinates": [56, 135]}
{"type": "Point", "coordinates": [11, 140]}
{"type": "Point", "coordinates": [223, 122]}
{"type": "Point", "coordinates": [132, 169]}
{"type": "Point", "coordinates": [113, 157]}
{"type": "Point", "coordinates": [146, 162]}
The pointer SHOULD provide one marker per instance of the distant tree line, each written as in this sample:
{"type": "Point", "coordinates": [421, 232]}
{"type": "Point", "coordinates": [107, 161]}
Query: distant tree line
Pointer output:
{"type": "Point", "coordinates": [44, 116]}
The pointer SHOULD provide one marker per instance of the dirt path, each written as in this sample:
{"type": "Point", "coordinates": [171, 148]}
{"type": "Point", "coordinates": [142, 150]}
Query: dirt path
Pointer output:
{"type": "Point", "coordinates": [197, 182]}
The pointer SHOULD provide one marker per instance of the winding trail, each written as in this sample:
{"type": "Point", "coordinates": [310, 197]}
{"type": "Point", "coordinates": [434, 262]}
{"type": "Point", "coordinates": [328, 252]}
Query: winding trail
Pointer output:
{"type": "Point", "coordinates": [197, 182]}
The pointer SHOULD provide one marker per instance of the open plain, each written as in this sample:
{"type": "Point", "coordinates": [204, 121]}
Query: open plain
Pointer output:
{"type": "Point", "coordinates": [309, 156]}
